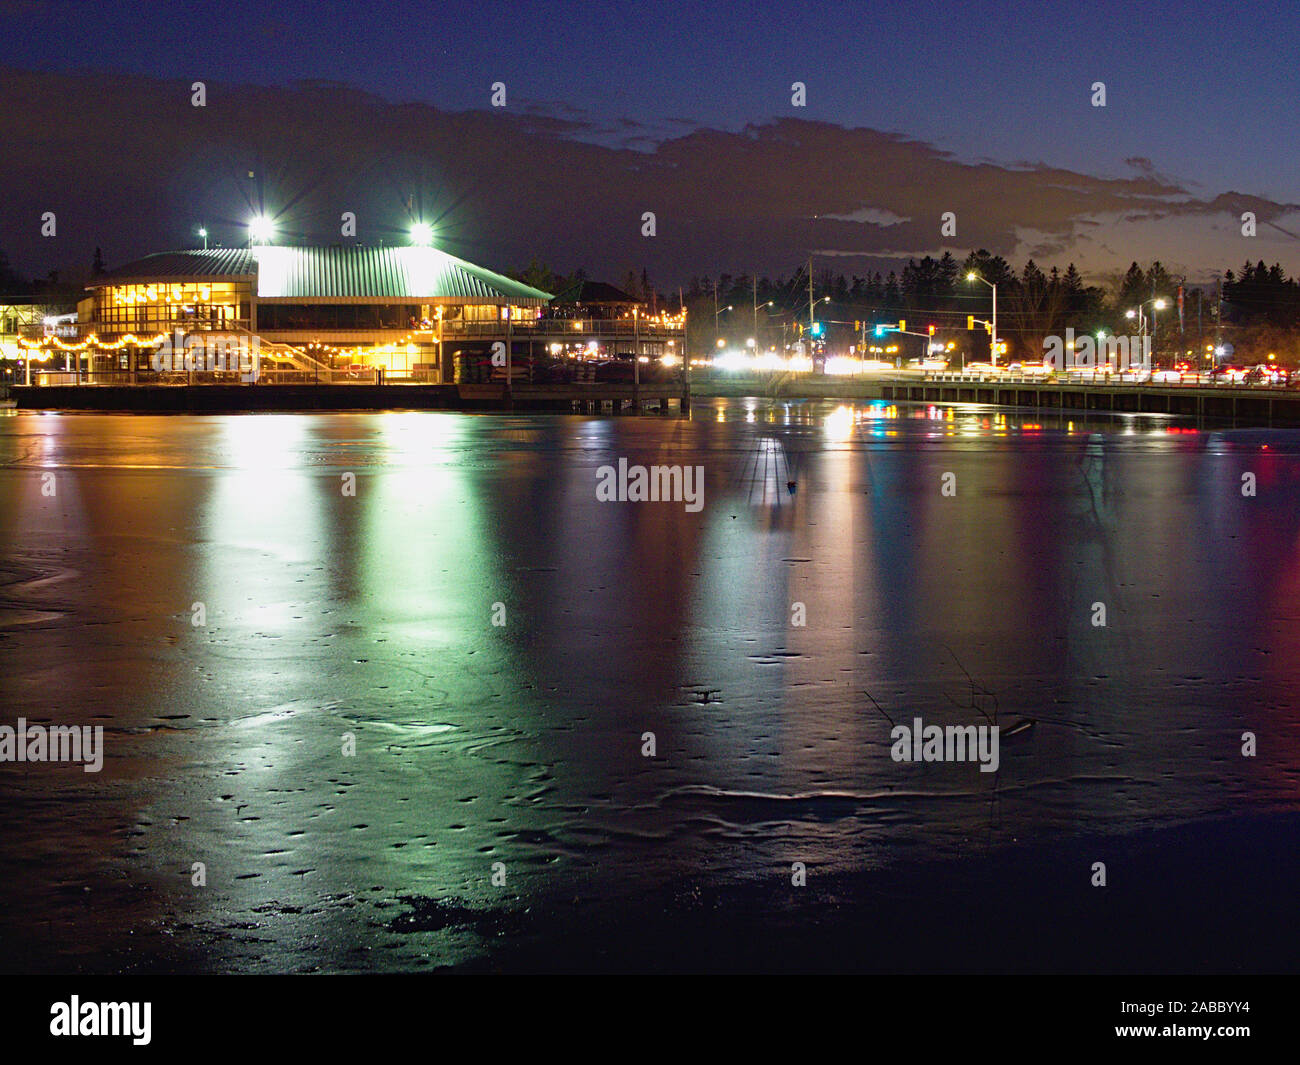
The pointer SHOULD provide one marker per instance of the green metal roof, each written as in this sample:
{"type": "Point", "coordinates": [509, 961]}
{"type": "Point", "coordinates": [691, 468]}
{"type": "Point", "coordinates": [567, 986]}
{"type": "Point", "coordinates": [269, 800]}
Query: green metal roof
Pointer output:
{"type": "Point", "coordinates": [186, 265]}
{"type": "Point", "coordinates": [594, 292]}
{"type": "Point", "coordinates": [366, 273]}
{"type": "Point", "coordinates": [349, 273]}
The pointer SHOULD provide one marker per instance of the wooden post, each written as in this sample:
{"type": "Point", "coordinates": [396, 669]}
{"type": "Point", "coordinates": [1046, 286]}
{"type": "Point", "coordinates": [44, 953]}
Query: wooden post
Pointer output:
{"type": "Point", "coordinates": [636, 360]}
{"type": "Point", "coordinates": [510, 383]}
{"type": "Point", "coordinates": [686, 370]}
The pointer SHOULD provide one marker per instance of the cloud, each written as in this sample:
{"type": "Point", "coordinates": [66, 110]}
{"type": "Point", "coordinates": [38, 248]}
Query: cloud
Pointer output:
{"type": "Point", "coordinates": [872, 216]}
{"type": "Point", "coordinates": [127, 164]}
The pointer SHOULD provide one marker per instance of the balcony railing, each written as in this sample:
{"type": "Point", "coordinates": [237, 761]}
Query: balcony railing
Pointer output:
{"type": "Point", "coordinates": [561, 327]}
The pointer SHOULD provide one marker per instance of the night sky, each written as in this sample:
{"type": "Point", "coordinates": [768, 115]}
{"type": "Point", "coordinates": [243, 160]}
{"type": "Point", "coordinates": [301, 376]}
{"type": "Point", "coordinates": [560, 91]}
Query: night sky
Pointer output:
{"type": "Point", "coordinates": [683, 110]}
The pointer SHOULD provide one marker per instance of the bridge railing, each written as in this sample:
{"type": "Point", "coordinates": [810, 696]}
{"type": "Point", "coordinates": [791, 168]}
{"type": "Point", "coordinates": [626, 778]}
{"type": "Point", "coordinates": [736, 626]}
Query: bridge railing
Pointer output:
{"type": "Point", "coordinates": [1101, 380]}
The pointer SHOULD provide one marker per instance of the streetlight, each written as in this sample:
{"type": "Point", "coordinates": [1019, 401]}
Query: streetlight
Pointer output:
{"type": "Point", "coordinates": [993, 344]}
{"type": "Point", "coordinates": [422, 233]}
{"type": "Point", "coordinates": [1142, 325]}
{"type": "Point", "coordinates": [757, 305]}
{"type": "Point", "coordinates": [812, 316]}
{"type": "Point", "coordinates": [718, 313]}
{"type": "Point", "coordinates": [1157, 304]}
{"type": "Point", "coordinates": [260, 230]}
{"type": "Point", "coordinates": [204, 234]}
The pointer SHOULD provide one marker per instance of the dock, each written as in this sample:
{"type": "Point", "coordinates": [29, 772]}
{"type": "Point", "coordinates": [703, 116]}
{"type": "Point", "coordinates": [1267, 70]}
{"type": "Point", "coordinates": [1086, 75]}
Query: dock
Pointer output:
{"type": "Point", "coordinates": [229, 398]}
{"type": "Point", "coordinates": [1251, 404]}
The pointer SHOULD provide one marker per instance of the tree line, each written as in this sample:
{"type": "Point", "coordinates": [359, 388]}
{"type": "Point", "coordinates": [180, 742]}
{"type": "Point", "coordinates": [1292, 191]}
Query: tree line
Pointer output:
{"type": "Point", "coordinates": [1257, 307]}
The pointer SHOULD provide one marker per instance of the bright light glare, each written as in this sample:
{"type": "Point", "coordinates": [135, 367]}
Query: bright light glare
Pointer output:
{"type": "Point", "coordinates": [422, 233]}
{"type": "Point", "coordinates": [260, 230]}
{"type": "Point", "coordinates": [839, 424]}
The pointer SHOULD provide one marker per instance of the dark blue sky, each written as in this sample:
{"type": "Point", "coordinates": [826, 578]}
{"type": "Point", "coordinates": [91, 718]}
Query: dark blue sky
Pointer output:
{"type": "Point", "coordinates": [1202, 97]}
{"type": "Point", "coordinates": [1208, 91]}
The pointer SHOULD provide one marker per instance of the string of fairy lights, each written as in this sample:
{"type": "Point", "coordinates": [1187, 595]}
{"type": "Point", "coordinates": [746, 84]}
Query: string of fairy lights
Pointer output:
{"type": "Point", "coordinates": [410, 344]}
{"type": "Point", "coordinates": [52, 343]}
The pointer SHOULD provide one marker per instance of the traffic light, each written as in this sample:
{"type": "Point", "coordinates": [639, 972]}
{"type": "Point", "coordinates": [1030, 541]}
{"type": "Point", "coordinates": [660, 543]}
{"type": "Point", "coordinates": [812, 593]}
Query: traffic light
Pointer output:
{"type": "Point", "coordinates": [880, 330]}
{"type": "Point", "coordinates": [932, 328]}
{"type": "Point", "coordinates": [970, 322]}
{"type": "Point", "coordinates": [902, 326]}
{"type": "Point", "coordinates": [857, 326]}
{"type": "Point", "coordinates": [817, 329]}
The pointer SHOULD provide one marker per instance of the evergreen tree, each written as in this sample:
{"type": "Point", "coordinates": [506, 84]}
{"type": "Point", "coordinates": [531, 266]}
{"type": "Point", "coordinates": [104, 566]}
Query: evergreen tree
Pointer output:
{"type": "Point", "coordinates": [1132, 290]}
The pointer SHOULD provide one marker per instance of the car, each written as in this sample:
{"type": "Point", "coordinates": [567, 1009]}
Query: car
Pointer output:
{"type": "Point", "coordinates": [1225, 374]}
{"type": "Point", "coordinates": [1267, 375]}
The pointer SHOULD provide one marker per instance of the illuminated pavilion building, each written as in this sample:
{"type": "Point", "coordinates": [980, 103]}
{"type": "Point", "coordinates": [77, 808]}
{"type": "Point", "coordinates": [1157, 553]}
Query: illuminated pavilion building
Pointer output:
{"type": "Point", "coordinates": [31, 317]}
{"type": "Point", "coordinates": [416, 313]}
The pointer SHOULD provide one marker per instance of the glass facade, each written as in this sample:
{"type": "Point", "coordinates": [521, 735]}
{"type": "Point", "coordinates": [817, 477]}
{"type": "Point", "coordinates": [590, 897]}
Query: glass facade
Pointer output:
{"type": "Point", "coordinates": [279, 317]}
{"type": "Point", "coordinates": [149, 309]}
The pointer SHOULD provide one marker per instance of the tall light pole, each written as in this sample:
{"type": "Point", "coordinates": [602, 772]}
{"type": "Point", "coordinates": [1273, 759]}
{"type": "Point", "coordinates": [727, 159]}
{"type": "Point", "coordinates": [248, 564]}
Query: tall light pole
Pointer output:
{"type": "Point", "coordinates": [1157, 304]}
{"type": "Point", "coordinates": [636, 360]}
{"type": "Point", "coordinates": [204, 234]}
{"type": "Point", "coordinates": [686, 363]}
{"type": "Point", "coordinates": [993, 343]}
{"type": "Point", "coordinates": [718, 314]}
{"type": "Point", "coordinates": [1142, 326]}
{"type": "Point", "coordinates": [756, 306]}
{"type": "Point", "coordinates": [810, 301]}
{"type": "Point", "coordinates": [812, 317]}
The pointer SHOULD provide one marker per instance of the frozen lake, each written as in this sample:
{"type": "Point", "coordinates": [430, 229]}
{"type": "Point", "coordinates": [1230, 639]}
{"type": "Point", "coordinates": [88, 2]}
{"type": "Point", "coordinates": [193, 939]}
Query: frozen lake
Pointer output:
{"type": "Point", "coordinates": [208, 591]}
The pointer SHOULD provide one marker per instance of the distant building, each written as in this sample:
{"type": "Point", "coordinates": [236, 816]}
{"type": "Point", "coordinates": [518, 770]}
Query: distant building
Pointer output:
{"type": "Point", "coordinates": [31, 319]}
{"type": "Point", "coordinates": [415, 312]}
{"type": "Point", "coordinates": [600, 318]}
{"type": "Point", "coordinates": [385, 307]}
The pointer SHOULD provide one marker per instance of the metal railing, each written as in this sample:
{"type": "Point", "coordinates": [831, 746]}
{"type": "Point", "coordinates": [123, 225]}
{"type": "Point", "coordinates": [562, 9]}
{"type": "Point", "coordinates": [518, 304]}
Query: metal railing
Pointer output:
{"type": "Point", "coordinates": [1102, 380]}
{"type": "Point", "coordinates": [561, 327]}
{"type": "Point", "coordinates": [78, 378]}
{"type": "Point", "coordinates": [361, 375]}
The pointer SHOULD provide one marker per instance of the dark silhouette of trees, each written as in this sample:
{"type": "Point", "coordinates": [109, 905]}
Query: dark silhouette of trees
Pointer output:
{"type": "Point", "coordinates": [1261, 305]}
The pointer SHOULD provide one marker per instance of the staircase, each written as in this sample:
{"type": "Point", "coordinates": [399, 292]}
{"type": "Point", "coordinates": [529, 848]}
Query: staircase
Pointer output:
{"type": "Point", "coordinates": [301, 364]}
